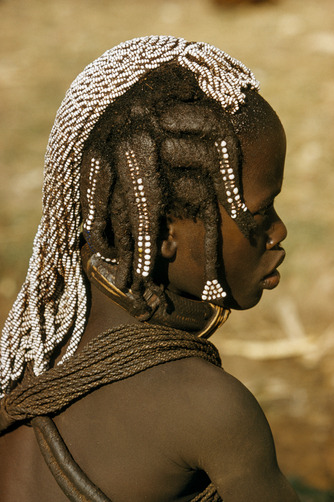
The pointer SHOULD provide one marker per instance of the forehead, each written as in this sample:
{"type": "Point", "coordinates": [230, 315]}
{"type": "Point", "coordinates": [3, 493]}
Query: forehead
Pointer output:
{"type": "Point", "coordinates": [263, 156]}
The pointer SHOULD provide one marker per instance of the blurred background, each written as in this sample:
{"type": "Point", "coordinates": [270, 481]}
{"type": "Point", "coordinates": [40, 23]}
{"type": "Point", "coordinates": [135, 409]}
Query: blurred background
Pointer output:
{"type": "Point", "coordinates": [283, 349]}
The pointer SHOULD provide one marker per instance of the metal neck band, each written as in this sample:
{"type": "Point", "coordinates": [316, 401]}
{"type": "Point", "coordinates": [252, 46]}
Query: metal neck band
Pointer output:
{"type": "Point", "coordinates": [198, 317]}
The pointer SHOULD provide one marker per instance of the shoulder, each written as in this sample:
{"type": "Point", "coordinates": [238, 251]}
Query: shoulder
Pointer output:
{"type": "Point", "coordinates": [217, 395]}
{"type": "Point", "coordinates": [219, 419]}
{"type": "Point", "coordinates": [205, 401]}
{"type": "Point", "coordinates": [225, 433]}
{"type": "Point", "coordinates": [210, 389]}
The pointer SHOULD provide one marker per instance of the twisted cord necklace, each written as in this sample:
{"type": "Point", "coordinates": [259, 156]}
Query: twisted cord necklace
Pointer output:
{"type": "Point", "coordinates": [112, 356]}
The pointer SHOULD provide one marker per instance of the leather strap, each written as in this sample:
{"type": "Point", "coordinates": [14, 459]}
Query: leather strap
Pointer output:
{"type": "Point", "coordinates": [70, 477]}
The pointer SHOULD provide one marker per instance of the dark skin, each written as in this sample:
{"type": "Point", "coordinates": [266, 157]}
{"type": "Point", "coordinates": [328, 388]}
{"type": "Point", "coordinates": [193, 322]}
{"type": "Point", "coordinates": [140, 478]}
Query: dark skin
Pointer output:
{"type": "Point", "coordinates": [163, 434]}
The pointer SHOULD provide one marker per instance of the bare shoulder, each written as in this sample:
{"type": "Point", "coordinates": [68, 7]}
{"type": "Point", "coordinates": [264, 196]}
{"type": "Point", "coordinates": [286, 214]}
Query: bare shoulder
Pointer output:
{"type": "Point", "coordinates": [212, 391]}
{"type": "Point", "coordinates": [220, 403]}
{"type": "Point", "coordinates": [205, 401]}
{"type": "Point", "coordinates": [227, 435]}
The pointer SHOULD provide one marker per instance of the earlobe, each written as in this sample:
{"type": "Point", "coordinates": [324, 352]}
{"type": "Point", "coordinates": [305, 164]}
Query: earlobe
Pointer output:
{"type": "Point", "coordinates": [169, 247]}
{"type": "Point", "coordinates": [169, 242]}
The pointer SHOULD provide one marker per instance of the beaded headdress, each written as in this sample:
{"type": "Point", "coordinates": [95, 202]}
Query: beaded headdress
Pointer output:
{"type": "Point", "coordinates": [52, 302]}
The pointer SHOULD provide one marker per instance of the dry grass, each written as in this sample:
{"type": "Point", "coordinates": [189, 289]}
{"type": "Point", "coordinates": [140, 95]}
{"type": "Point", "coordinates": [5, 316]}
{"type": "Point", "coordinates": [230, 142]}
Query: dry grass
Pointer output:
{"type": "Point", "coordinates": [290, 46]}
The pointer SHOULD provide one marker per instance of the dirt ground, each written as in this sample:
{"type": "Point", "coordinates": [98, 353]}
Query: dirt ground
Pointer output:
{"type": "Point", "coordinates": [283, 349]}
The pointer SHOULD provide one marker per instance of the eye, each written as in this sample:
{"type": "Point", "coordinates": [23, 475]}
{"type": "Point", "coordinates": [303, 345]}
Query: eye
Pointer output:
{"type": "Point", "coordinates": [265, 211]}
{"type": "Point", "coordinates": [263, 217]}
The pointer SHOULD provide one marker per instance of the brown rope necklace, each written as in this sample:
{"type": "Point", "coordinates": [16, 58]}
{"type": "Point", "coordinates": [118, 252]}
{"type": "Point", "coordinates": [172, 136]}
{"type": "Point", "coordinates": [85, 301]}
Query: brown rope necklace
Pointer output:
{"type": "Point", "coordinates": [112, 356]}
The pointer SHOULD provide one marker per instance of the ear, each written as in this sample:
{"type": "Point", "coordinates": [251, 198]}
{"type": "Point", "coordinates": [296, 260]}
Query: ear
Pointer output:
{"type": "Point", "coordinates": [169, 244]}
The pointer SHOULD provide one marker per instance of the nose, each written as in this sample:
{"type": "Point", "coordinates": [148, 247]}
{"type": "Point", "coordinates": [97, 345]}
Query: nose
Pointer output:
{"type": "Point", "coordinates": [276, 233]}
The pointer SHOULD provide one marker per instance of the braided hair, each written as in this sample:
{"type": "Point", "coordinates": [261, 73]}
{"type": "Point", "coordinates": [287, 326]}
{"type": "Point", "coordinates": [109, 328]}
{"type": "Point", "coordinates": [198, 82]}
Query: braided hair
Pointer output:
{"type": "Point", "coordinates": [135, 157]}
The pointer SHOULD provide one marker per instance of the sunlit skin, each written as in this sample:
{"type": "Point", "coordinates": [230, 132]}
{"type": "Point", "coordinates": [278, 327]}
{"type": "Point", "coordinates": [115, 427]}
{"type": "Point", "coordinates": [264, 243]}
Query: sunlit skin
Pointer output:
{"type": "Point", "coordinates": [247, 266]}
{"type": "Point", "coordinates": [163, 434]}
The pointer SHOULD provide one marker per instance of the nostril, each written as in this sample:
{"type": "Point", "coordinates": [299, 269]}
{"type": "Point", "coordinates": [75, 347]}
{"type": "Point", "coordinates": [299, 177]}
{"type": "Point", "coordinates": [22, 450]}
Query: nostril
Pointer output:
{"type": "Point", "coordinates": [274, 247]}
{"type": "Point", "coordinates": [272, 244]}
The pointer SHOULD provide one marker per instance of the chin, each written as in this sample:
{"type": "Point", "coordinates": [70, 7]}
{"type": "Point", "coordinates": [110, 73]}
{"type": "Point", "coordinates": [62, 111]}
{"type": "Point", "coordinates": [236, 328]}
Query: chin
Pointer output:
{"type": "Point", "coordinates": [244, 303]}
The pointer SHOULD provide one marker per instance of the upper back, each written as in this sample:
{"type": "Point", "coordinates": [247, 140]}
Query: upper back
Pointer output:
{"type": "Point", "coordinates": [130, 438]}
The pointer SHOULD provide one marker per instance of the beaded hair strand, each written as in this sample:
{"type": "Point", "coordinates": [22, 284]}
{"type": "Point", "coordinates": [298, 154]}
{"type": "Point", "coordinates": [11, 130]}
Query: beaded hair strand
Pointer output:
{"type": "Point", "coordinates": [52, 303]}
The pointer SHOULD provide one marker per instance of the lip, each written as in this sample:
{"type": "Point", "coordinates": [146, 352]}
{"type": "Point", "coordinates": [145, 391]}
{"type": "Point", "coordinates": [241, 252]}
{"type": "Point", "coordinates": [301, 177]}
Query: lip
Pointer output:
{"type": "Point", "coordinates": [271, 280]}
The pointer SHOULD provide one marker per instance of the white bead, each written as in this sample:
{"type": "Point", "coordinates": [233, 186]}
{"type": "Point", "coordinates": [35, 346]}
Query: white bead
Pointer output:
{"type": "Point", "coordinates": [220, 77]}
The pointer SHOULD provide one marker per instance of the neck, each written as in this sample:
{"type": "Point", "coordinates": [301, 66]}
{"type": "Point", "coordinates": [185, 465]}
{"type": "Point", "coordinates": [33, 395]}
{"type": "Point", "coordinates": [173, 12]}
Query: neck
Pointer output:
{"type": "Point", "coordinates": [197, 317]}
{"type": "Point", "coordinates": [104, 314]}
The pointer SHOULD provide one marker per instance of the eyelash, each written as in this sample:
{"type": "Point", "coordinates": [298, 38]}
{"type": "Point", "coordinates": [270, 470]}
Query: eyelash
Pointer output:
{"type": "Point", "coordinates": [264, 212]}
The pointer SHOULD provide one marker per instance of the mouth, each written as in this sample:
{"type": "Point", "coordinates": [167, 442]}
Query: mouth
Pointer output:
{"type": "Point", "coordinates": [271, 280]}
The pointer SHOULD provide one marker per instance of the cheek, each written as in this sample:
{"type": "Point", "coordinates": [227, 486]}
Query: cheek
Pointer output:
{"type": "Point", "coordinates": [186, 272]}
{"type": "Point", "coordinates": [238, 265]}
{"type": "Point", "coordinates": [243, 265]}
{"type": "Point", "coordinates": [244, 284]}
{"type": "Point", "coordinates": [241, 258]}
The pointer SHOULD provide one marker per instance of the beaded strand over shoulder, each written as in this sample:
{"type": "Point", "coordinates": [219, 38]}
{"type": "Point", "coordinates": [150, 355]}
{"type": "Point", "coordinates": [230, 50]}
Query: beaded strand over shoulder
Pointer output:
{"type": "Point", "coordinates": [53, 301]}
